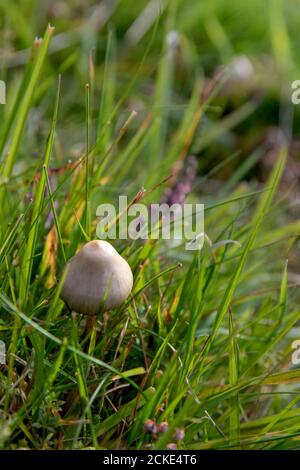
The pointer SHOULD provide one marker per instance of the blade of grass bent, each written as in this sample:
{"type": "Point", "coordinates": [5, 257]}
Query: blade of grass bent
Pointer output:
{"type": "Point", "coordinates": [264, 204]}
{"type": "Point", "coordinates": [26, 266]}
{"type": "Point", "coordinates": [24, 107]}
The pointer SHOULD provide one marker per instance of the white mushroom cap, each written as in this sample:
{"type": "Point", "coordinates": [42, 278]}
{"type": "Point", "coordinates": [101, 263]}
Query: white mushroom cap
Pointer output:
{"type": "Point", "coordinates": [97, 278]}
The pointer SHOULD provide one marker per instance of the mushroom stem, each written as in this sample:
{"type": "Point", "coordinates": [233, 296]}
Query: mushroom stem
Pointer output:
{"type": "Point", "coordinates": [90, 335]}
{"type": "Point", "coordinates": [90, 324]}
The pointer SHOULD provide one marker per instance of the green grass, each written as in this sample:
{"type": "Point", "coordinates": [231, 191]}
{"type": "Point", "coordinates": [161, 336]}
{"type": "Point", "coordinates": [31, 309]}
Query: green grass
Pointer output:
{"type": "Point", "coordinates": [108, 104]}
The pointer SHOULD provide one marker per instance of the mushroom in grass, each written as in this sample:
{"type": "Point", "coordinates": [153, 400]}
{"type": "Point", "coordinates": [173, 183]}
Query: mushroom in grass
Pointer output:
{"type": "Point", "coordinates": [97, 279]}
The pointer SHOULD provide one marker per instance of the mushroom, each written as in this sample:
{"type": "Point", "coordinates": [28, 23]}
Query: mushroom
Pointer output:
{"type": "Point", "coordinates": [97, 279]}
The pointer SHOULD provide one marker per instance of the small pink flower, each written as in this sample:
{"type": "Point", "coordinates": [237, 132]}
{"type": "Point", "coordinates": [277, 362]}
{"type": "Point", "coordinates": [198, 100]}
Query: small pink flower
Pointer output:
{"type": "Point", "coordinates": [172, 446]}
{"type": "Point", "coordinates": [162, 427]}
{"type": "Point", "coordinates": [150, 426]}
{"type": "Point", "coordinates": [179, 434]}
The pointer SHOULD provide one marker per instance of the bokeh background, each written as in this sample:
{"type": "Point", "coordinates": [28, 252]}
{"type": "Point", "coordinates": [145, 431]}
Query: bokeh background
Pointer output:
{"type": "Point", "coordinates": [252, 45]}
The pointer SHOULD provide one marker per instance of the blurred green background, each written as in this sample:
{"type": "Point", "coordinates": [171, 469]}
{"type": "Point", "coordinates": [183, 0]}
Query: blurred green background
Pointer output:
{"type": "Point", "coordinates": [257, 40]}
